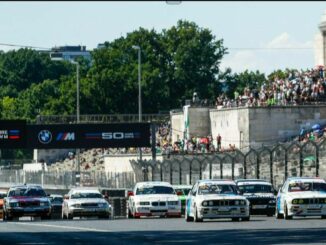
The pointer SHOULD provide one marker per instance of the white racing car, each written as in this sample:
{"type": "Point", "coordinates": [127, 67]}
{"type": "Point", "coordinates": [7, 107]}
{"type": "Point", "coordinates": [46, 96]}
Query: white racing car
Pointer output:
{"type": "Point", "coordinates": [301, 196]}
{"type": "Point", "coordinates": [153, 199]}
{"type": "Point", "coordinates": [82, 202]}
{"type": "Point", "coordinates": [211, 199]}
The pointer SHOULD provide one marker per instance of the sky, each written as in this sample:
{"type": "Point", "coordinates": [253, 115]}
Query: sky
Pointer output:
{"type": "Point", "coordinates": [262, 36]}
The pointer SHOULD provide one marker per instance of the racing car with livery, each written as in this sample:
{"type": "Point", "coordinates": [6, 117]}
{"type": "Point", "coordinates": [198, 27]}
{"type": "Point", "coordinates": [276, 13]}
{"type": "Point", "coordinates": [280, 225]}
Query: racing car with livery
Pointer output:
{"type": "Point", "coordinates": [182, 191]}
{"type": "Point", "coordinates": [26, 200]}
{"type": "Point", "coordinates": [153, 198]}
{"type": "Point", "coordinates": [211, 199]}
{"type": "Point", "coordinates": [301, 196]}
{"type": "Point", "coordinates": [260, 194]}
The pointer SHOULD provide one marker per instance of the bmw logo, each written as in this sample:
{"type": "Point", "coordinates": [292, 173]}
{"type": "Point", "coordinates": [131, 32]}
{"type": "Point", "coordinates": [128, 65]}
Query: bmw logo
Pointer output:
{"type": "Point", "coordinates": [45, 136]}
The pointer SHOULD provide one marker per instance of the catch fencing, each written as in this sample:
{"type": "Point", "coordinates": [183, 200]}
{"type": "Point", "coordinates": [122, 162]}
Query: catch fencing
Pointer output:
{"type": "Point", "coordinates": [274, 164]}
{"type": "Point", "coordinates": [67, 179]}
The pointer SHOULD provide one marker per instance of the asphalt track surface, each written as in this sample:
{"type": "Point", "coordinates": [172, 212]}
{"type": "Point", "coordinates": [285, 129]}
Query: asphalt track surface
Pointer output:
{"type": "Point", "coordinates": [259, 230]}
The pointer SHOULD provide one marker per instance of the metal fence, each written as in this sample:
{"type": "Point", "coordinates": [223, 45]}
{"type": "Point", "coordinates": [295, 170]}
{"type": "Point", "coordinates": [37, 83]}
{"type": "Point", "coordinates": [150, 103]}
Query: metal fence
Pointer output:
{"type": "Point", "coordinates": [274, 164]}
{"type": "Point", "coordinates": [66, 180]}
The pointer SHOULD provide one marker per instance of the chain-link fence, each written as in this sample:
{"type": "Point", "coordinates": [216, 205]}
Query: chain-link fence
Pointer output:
{"type": "Point", "coordinates": [274, 164]}
{"type": "Point", "coordinates": [66, 180]}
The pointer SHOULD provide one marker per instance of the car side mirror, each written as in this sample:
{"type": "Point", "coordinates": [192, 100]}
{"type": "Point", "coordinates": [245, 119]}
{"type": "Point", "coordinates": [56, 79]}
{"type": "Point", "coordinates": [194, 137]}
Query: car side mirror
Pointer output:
{"type": "Point", "coordinates": [66, 197]}
{"type": "Point", "coordinates": [130, 193]}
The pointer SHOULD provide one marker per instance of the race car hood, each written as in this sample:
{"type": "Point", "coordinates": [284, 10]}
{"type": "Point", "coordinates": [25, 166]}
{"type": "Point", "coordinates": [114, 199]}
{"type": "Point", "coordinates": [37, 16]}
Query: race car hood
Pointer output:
{"type": "Point", "coordinates": [156, 197]}
{"type": "Point", "coordinates": [306, 194]}
{"type": "Point", "coordinates": [86, 200]}
{"type": "Point", "coordinates": [259, 195]}
{"type": "Point", "coordinates": [220, 197]}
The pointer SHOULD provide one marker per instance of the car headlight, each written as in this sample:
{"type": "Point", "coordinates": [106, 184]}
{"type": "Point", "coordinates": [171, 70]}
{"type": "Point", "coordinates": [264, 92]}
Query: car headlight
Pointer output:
{"type": "Point", "coordinates": [76, 205]}
{"type": "Point", "coordinates": [294, 201]}
{"type": "Point", "coordinates": [211, 203]}
{"type": "Point", "coordinates": [14, 204]}
{"type": "Point", "coordinates": [236, 202]}
{"type": "Point", "coordinates": [143, 203]}
{"type": "Point", "coordinates": [301, 201]}
{"type": "Point", "coordinates": [102, 205]}
{"type": "Point", "coordinates": [204, 203]}
{"type": "Point", "coordinates": [173, 202]}
{"type": "Point", "coordinates": [44, 204]}
{"type": "Point", "coordinates": [243, 202]}
{"type": "Point", "coordinates": [272, 201]}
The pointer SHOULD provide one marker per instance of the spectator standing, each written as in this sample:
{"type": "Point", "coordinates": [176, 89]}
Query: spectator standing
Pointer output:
{"type": "Point", "coordinates": [218, 139]}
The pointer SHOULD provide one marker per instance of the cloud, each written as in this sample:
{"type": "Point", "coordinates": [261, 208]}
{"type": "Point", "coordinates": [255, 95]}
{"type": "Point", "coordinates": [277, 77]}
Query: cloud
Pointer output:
{"type": "Point", "coordinates": [284, 40]}
{"type": "Point", "coordinates": [282, 51]}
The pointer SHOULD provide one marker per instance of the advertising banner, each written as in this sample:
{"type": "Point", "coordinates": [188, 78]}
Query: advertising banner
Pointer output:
{"type": "Point", "coordinates": [61, 136]}
{"type": "Point", "coordinates": [12, 134]}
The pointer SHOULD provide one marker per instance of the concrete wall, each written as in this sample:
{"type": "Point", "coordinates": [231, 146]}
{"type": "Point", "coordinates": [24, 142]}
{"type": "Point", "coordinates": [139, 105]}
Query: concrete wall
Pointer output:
{"type": "Point", "coordinates": [263, 125]}
{"type": "Point", "coordinates": [271, 125]}
{"type": "Point", "coordinates": [121, 163]}
{"type": "Point", "coordinates": [177, 125]}
{"type": "Point", "coordinates": [199, 123]}
{"type": "Point", "coordinates": [232, 125]}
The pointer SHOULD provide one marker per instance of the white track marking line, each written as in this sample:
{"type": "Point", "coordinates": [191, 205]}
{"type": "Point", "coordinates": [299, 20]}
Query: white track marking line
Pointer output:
{"type": "Point", "coordinates": [59, 226]}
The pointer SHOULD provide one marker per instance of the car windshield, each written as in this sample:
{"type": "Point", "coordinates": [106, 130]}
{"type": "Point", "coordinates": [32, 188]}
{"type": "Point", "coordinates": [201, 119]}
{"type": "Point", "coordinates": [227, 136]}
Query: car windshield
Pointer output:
{"type": "Point", "coordinates": [56, 199]}
{"type": "Point", "coordinates": [307, 186]}
{"type": "Point", "coordinates": [211, 188]}
{"type": "Point", "coordinates": [78, 195]}
{"type": "Point", "coordinates": [28, 192]}
{"type": "Point", "coordinates": [147, 190]}
{"type": "Point", "coordinates": [255, 188]}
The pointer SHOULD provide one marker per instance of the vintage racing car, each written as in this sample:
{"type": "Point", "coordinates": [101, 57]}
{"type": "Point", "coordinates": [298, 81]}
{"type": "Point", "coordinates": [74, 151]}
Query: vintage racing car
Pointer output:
{"type": "Point", "coordinates": [260, 194]}
{"type": "Point", "coordinates": [26, 200]}
{"type": "Point", "coordinates": [153, 199]}
{"type": "Point", "coordinates": [211, 199]}
{"type": "Point", "coordinates": [182, 191]}
{"type": "Point", "coordinates": [85, 201]}
{"type": "Point", "coordinates": [301, 196]}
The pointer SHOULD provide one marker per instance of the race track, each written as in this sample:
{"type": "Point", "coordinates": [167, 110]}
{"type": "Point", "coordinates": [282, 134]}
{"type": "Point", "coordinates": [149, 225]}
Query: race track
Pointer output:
{"type": "Point", "coordinates": [260, 230]}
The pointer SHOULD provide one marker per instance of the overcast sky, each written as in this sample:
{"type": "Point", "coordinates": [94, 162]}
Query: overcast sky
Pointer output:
{"type": "Point", "coordinates": [245, 27]}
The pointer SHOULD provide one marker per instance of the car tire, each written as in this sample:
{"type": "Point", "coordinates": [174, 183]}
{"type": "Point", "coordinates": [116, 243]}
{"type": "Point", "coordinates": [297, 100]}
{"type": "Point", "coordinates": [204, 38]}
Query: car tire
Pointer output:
{"type": "Point", "coordinates": [196, 217]}
{"type": "Point", "coordinates": [278, 215]}
{"type": "Point", "coordinates": [7, 217]}
{"type": "Point", "coordinates": [270, 215]}
{"type": "Point", "coordinates": [70, 216]}
{"type": "Point", "coordinates": [323, 216]}
{"type": "Point", "coordinates": [235, 219]}
{"type": "Point", "coordinates": [130, 216]}
{"type": "Point", "coordinates": [286, 215]}
{"type": "Point", "coordinates": [188, 218]}
{"type": "Point", "coordinates": [104, 216]}
{"type": "Point", "coordinates": [246, 218]}
{"type": "Point", "coordinates": [45, 217]}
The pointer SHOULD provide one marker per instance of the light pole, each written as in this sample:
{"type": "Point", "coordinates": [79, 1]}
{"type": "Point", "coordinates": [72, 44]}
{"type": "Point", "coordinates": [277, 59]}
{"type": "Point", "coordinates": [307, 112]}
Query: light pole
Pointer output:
{"type": "Point", "coordinates": [139, 91]}
{"type": "Point", "coordinates": [77, 112]}
{"type": "Point", "coordinates": [57, 57]}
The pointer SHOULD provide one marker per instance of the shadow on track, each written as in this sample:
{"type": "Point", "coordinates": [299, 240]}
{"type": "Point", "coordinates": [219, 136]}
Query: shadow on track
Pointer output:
{"type": "Point", "coordinates": [223, 237]}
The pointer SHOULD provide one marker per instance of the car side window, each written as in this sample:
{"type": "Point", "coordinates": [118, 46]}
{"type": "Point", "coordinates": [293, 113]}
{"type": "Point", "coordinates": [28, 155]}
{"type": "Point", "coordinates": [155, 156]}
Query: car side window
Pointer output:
{"type": "Point", "coordinates": [284, 187]}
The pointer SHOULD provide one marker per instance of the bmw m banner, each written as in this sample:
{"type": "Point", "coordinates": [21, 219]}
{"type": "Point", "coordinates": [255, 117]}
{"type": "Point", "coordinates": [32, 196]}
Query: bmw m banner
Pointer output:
{"type": "Point", "coordinates": [12, 134]}
{"type": "Point", "coordinates": [61, 136]}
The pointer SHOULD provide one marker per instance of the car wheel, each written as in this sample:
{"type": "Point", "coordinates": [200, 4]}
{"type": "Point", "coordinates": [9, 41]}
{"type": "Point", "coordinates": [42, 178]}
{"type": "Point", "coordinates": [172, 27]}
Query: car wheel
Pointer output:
{"type": "Point", "coordinates": [286, 215]}
{"type": "Point", "coordinates": [130, 216]}
{"type": "Point", "coordinates": [270, 214]}
{"type": "Point", "coordinates": [235, 219]}
{"type": "Point", "coordinates": [104, 216]}
{"type": "Point", "coordinates": [70, 216]}
{"type": "Point", "coordinates": [246, 218]}
{"type": "Point", "coordinates": [278, 215]}
{"type": "Point", "coordinates": [196, 217]}
{"type": "Point", "coordinates": [323, 216]}
{"type": "Point", "coordinates": [188, 218]}
{"type": "Point", "coordinates": [7, 217]}
{"type": "Point", "coordinates": [45, 217]}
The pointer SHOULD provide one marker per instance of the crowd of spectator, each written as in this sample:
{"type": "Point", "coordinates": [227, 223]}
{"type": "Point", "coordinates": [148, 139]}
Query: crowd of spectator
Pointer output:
{"type": "Point", "coordinates": [298, 88]}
